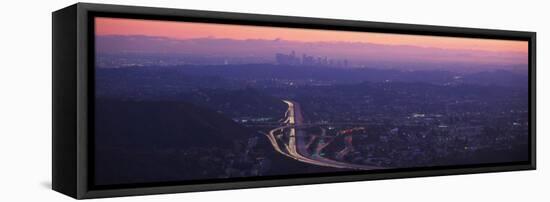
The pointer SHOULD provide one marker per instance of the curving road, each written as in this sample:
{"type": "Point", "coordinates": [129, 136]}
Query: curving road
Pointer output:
{"type": "Point", "coordinates": [297, 147]}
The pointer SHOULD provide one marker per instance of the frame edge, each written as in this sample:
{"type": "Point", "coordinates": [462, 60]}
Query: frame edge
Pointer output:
{"type": "Point", "coordinates": [82, 187]}
{"type": "Point", "coordinates": [64, 145]}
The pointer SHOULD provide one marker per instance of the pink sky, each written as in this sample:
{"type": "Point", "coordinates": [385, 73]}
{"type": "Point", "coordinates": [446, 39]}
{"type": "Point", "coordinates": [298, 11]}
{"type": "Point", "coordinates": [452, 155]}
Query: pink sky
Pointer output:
{"type": "Point", "coordinates": [188, 30]}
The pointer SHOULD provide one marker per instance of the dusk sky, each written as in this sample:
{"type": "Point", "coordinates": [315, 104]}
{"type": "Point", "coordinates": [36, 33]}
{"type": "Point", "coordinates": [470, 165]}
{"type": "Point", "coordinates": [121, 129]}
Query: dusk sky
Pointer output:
{"type": "Point", "coordinates": [467, 49]}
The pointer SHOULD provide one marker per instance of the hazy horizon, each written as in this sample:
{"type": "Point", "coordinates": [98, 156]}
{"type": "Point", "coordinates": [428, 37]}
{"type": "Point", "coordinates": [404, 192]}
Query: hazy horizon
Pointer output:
{"type": "Point", "coordinates": [358, 53]}
{"type": "Point", "coordinates": [257, 44]}
{"type": "Point", "coordinates": [188, 30]}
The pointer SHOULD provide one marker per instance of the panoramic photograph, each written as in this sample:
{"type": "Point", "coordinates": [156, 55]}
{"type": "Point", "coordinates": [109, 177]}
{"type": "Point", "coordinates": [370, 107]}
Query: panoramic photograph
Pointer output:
{"type": "Point", "coordinates": [186, 101]}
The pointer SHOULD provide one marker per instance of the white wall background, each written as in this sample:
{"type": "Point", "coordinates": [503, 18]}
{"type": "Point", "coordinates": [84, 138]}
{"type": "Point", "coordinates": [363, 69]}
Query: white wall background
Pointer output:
{"type": "Point", "coordinates": [25, 99]}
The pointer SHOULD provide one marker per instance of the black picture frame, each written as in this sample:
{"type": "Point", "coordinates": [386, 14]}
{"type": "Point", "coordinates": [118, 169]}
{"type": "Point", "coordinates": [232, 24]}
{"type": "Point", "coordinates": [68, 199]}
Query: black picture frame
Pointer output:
{"type": "Point", "coordinates": [73, 98]}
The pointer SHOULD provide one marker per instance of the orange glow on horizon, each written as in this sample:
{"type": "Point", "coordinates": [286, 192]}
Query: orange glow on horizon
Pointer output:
{"type": "Point", "coordinates": [189, 30]}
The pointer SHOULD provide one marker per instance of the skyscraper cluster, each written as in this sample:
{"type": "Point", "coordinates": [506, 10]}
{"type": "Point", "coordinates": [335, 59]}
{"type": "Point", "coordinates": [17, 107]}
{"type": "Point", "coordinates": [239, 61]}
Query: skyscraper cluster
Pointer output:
{"type": "Point", "coordinates": [308, 60]}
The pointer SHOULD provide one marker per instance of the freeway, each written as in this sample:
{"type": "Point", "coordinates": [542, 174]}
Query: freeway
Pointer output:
{"type": "Point", "coordinates": [296, 146]}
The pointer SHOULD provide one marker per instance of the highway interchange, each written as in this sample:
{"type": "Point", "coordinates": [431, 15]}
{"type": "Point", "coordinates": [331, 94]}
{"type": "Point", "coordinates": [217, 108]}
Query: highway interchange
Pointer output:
{"type": "Point", "coordinates": [296, 146]}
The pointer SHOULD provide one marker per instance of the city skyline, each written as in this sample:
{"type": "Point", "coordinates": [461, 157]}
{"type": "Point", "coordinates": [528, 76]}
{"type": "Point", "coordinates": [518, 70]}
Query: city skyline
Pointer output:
{"type": "Point", "coordinates": [261, 43]}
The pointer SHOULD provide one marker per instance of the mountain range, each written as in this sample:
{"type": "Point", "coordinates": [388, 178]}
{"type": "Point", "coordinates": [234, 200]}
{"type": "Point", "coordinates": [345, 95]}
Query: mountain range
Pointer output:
{"type": "Point", "coordinates": [261, 50]}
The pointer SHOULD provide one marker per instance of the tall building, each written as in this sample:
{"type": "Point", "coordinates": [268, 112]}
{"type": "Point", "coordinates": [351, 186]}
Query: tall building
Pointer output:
{"type": "Point", "coordinates": [308, 60]}
{"type": "Point", "coordinates": [287, 59]}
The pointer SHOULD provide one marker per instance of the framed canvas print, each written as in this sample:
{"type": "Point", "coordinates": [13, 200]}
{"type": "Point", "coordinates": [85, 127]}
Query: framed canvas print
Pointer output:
{"type": "Point", "coordinates": [153, 100]}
